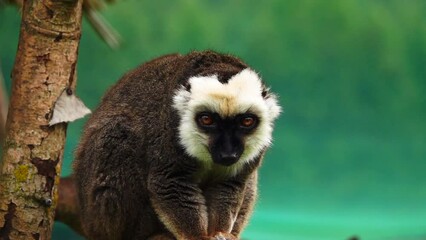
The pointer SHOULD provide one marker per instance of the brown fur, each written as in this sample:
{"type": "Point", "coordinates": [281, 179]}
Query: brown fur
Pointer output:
{"type": "Point", "coordinates": [136, 182]}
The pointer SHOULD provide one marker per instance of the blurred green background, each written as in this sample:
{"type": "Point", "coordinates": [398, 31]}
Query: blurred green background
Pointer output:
{"type": "Point", "coordinates": [349, 156]}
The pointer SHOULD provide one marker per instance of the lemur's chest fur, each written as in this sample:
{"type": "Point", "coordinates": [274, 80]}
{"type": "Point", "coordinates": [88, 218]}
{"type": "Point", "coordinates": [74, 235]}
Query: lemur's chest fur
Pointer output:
{"type": "Point", "coordinates": [210, 173]}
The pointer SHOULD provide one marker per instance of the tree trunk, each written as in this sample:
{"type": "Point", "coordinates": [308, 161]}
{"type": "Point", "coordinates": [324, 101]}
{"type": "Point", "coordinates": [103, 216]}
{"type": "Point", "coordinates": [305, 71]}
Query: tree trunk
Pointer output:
{"type": "Point", "coordinates": [32, 154]}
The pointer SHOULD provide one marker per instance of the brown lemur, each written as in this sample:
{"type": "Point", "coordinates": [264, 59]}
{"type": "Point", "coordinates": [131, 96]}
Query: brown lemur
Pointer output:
{"type": "Point", "coordinates": [173, 150]}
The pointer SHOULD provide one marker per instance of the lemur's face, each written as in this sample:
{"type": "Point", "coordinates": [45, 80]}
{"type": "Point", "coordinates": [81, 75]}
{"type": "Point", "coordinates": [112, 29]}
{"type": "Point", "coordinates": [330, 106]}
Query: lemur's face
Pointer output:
{"type": "Point", "coordinates": [226, 123]}
{"type": "Point", "coordinates": [226, 134]}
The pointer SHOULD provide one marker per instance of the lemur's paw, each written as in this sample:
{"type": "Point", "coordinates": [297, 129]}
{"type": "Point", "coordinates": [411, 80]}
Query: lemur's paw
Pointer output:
{"type": "Point", "coordinates": [224, 236]}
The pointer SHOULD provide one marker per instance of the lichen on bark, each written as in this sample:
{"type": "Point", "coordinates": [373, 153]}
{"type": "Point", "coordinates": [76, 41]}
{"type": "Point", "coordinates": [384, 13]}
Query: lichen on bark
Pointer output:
{"type": "Point", "coordinates": [33, 150]}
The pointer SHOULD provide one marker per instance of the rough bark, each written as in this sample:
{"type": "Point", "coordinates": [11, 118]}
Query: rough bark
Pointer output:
{"type": "Point", "coordinates": [102, 27]}
{"type": "Point", "coordinates": [31, 164]}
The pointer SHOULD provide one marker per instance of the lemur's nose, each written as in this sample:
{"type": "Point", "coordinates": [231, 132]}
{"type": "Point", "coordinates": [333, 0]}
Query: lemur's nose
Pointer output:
{"type": "Point", "coordinates": [228, 158]}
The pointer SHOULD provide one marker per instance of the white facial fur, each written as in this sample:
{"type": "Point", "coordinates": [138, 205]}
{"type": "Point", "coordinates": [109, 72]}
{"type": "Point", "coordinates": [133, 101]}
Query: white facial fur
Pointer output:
{"type": "Point", "coordinates": [242, 93]}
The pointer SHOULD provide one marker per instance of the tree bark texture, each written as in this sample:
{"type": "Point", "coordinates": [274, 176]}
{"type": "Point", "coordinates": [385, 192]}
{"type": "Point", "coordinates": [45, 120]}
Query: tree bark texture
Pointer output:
{"type": "Point", "coordinates": [45, 66]}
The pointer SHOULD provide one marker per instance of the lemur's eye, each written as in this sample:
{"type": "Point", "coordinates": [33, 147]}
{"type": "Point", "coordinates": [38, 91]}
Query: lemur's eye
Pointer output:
{"type": "Point", "coordinates": [248, 121]}
{"type": "Point", "coordinates": [205, 119]}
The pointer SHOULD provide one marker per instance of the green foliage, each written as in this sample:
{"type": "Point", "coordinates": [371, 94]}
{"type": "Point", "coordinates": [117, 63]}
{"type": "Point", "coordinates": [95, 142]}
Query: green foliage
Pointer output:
{"type": "Point", "coordinates": [350, 148]}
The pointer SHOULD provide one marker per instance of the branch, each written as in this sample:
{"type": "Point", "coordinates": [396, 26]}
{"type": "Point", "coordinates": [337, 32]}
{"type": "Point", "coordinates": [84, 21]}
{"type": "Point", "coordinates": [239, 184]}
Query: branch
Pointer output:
{"type": "Point", "coordinates": [91, 10]}
{"type": "Point", "coordinates": [102, 27]}
{"type": "Point", "coordinates": [68, 208]}
{"type": "Point", "coordinates": [33, 150]}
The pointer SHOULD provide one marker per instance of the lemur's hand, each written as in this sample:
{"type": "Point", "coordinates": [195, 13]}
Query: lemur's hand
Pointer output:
{"type": "Point", "coordinates": [224, 236]}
